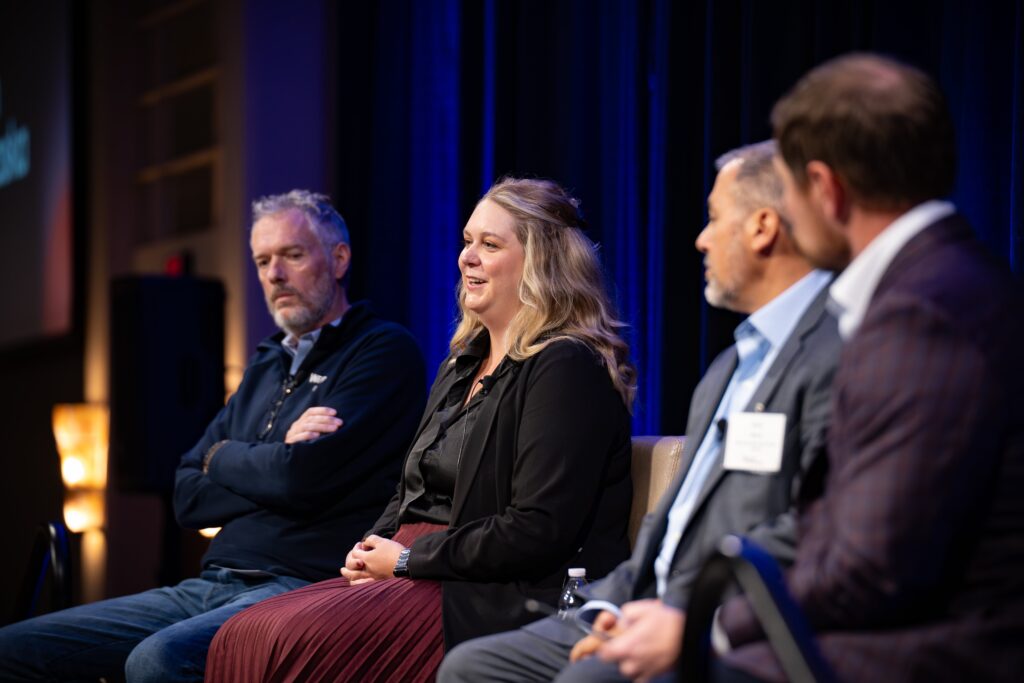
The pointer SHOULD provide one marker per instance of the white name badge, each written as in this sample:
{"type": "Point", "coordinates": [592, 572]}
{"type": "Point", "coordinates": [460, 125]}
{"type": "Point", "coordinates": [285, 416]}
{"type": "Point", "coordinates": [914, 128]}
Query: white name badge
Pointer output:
{"type": "Point", "coordinates": [753, 442]}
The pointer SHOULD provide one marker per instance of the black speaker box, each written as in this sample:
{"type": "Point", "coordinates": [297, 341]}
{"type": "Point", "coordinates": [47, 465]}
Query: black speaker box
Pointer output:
{"type": "Point", "coordinates": [166, 374]}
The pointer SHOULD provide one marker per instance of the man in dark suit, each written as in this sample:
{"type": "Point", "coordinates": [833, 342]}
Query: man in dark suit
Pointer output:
{"type": "Point", "coordinates": [779, 372]}
{"type": "Point", "coordinates": [911, 566]}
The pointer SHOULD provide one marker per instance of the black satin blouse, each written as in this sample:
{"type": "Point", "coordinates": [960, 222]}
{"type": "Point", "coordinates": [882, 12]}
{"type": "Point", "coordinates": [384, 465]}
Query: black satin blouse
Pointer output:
{"type": "Point", "coordinates": [434, 459]}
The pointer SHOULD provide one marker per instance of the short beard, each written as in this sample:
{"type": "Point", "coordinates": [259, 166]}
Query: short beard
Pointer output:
{"type": "Point", "coordinates": [718, 297]}
{"type": "Point", "coordinates": [721, 294]}
{"type": "Point", "coordinates": [298, 320]}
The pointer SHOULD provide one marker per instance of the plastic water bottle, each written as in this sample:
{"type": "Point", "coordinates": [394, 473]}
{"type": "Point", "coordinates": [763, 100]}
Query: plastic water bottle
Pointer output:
{"type": "Point", "coordinates": [575, 581]}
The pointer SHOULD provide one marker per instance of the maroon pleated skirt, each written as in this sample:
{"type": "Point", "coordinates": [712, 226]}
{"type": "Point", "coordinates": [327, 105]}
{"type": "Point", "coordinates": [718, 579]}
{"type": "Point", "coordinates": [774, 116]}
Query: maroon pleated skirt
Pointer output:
{"type": "Point", "coordinates": [331, 631]}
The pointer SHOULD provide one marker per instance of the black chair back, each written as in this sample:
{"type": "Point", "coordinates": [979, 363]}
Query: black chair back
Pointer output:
{"type": "Point", "coordinates": [51, 556]}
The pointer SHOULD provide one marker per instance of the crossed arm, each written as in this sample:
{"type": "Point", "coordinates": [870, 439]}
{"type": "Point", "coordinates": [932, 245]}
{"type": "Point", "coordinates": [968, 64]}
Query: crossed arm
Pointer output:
{"type": "Point", "coordinates": [328, 449]}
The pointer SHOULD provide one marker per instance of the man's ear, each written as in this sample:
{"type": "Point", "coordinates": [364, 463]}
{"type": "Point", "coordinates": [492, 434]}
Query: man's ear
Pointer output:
{"type": "Point", "coordinates": [762, 227]}
{"type": "Point", "coordinates": [341, 256]}
{"type": "Point", "coordinates": [829, 191]}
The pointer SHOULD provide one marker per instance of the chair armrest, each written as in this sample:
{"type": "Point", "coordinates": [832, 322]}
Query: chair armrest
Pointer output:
{"type": "Point", "coordinates": [51, 556]}
{"type": "Point", "coordinates": [758, 575]}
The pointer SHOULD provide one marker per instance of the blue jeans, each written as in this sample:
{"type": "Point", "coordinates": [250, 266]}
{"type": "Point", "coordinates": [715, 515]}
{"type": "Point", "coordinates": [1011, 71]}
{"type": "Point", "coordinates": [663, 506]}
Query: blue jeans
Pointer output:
{"type": "Point", "coordinates": [158, 635]}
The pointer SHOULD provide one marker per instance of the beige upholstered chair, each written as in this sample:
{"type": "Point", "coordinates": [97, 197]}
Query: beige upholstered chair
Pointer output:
{"type": "Point", "coordinates": [655, 462]}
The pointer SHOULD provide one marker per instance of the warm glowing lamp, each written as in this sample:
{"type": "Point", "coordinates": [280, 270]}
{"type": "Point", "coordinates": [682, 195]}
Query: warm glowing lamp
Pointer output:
{"type": "Point", "coordinates": [82, 434]}
{"type": "Point", "coordinates": [209, 532]}
{"type": "Point", "coordinates": [81, 431]}
{"type": "Point", "coordinates": [84, 510]}
{"type": "Point", "coordinates": [72, 470]}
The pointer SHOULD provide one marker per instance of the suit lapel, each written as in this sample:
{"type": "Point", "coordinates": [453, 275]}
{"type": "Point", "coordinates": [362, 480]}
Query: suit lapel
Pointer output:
{"type": "Point", "coordinates": [705, 403]}
{"type": "Point", "coordinates": [766, 389]}
{"type": "Point", "coordinates": [476, 442]}
{"type": "Point", "coordinates": [780, 367]}
{"type": "Point", "coordinates": [954, 228]}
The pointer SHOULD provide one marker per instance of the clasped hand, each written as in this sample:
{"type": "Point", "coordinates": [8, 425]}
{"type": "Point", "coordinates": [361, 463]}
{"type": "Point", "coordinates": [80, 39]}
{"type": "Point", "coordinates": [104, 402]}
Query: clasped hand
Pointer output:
{"type": "Point", "coordinates": [372, 559]}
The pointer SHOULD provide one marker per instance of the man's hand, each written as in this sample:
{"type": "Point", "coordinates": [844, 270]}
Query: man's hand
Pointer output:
{"type": "Point", "coordinates": [312, 423]}
{"type": "Point", "coordinates": [606, 624]}
{"type": "Point", "coordinates": [373, 559]}
{"type": "Point", "coordinates": [649, 642]}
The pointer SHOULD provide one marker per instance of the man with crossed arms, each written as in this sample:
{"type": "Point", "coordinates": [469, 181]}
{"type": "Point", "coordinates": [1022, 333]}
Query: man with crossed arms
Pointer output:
{"type": "Point", "coordinates": [300, 461]}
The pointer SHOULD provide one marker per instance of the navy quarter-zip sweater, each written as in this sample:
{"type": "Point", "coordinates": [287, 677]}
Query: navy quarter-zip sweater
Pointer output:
{"type": "Point", "coordinates": [297, 509]}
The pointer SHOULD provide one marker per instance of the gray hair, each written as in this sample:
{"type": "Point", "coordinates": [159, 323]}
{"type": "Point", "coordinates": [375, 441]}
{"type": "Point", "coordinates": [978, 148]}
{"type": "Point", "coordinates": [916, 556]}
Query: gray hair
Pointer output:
{"type": "Point", "coordinates": [758, 183]}
{"type": "Point", "coordinates": [323, 218]}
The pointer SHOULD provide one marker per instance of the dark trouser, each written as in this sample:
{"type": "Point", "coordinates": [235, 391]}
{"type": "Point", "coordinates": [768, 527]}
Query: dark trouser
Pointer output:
{"type": "Point", "coordinates": [158, 635]}
{"type": "Point", "coordinates": [538, 652]}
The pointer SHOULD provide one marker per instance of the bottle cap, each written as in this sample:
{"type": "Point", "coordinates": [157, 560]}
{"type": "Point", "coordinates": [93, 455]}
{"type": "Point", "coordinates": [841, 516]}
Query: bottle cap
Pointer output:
{"type": "Point", "coordinates": [578, 572]}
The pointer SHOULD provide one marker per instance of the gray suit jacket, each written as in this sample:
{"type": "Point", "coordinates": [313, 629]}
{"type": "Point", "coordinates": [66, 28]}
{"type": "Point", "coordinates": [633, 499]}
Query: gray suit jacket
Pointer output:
{"type": "Point", "coordinates": [759, 506]}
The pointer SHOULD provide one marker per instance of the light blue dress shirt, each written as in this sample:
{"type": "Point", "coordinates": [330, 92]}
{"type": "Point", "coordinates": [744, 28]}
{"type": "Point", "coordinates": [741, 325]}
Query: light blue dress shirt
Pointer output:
{"type": "Point", "coordinates": [758, 341]}
{"type": "Point", "coordinates": [299, 347]}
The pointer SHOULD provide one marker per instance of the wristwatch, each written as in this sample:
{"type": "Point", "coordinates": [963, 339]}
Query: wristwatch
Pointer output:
{"type": "Point", "coordinates": [402, 566]}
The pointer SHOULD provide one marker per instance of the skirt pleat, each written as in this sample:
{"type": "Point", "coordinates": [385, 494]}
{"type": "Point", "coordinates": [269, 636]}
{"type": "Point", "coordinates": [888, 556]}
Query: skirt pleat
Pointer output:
{"type": "Point", "coordinates": [386, 630]}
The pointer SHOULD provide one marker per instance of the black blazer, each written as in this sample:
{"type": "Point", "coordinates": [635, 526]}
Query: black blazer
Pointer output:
{"type": "Point", "coordinates": [544, 485]}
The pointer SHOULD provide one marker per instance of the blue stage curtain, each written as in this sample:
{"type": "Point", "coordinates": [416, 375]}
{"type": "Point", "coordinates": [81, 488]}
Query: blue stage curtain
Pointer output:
{"type": "Point", "coordinates": [981, 67]}
{"type": "Point", "coordinates": [435, 222]}
{"type": "Point", "coordinates": [628, 104]}
{"type": "Point", "coordinates": [627, 235]}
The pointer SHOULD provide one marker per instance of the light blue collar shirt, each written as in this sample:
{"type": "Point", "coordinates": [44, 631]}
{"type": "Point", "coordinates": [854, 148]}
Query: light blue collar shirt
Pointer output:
{"type": "Point", "coordinates": [758, 341]}
{"type": "Point", "coordinates": [299, 347]}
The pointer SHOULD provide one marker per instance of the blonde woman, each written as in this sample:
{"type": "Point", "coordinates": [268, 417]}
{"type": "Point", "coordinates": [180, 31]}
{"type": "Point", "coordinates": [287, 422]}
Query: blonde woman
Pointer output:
{"type": "Point", "coordinates": [519, 470]}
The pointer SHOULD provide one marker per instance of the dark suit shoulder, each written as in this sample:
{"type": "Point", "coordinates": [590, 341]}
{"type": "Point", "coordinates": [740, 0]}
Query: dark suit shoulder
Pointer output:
{"type": "Point", "coordinates": [724, 359]}
{"type": "Point", "coordinates": [822, 341]}
{"type": "Point", "coordinates": [945, 271]}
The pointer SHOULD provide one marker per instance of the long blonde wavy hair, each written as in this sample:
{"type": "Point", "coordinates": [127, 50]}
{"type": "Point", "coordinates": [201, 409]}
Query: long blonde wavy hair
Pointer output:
{"type": "Point", "coordinates": [562, 290]}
